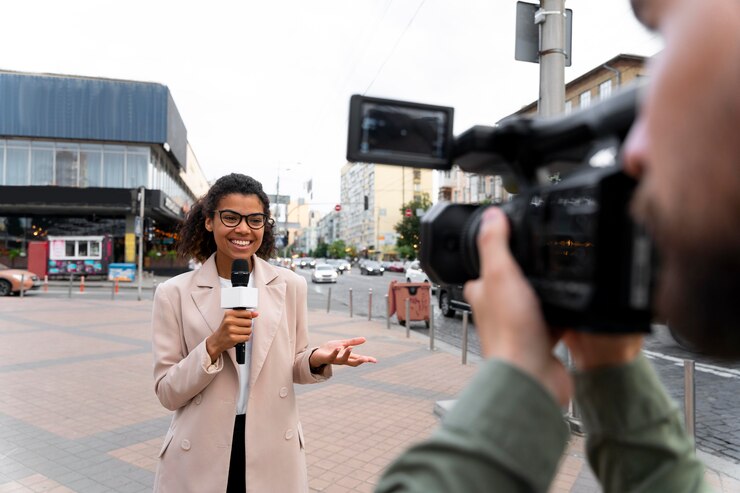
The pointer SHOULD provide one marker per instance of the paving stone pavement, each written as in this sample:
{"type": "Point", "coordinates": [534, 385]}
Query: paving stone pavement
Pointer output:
{"type": "Point", "coordinates": [78, 411]}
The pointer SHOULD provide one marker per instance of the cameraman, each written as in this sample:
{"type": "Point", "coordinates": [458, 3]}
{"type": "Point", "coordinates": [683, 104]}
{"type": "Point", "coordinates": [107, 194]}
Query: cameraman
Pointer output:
{"type": "Point", "coordinates": [506, 432]}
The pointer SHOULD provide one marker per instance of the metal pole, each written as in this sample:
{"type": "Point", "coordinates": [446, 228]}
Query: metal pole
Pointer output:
{"type": "Point", "coordinates": [113, 290]}
{"type": "Point", "coordinates": [154, 287]}
{"type": "Point", "coordinates": [69, 293]}
{"type": "Point", "coordinates": [23, 281]}
{"type": "Point", "coordinates": [551, 18]}
{"type": "Point", "coordinates": [387, 314]}
{"type": "Point", "coordinates": [465, 339]}
{"type": "Point", "coordinates": [370, 303]}
{"type": "Point", "coordinates": [328, 301]}
{"type": "Point", "coordinates": [141, 239]}
{"type": "Point", "coordinates": [689, 398]}
{"type": "Point", "coordinates": [431, 322]}
{"type": "Point", "coordinates": [350, 302]}
{"type": "Point", "coordinates": [408, 317]}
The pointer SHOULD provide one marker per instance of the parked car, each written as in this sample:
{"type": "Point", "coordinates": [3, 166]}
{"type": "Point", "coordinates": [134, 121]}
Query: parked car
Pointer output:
{"type": "Point", "coordinates": [10, 280]}
{"type": "Point", "coordinates": [324, 273]}
{"type": "Point", "coordinates": [371, 268]}
{"type": "Point", "coordinates": [451, 299]}
{"type": "Point", "coordinates": [396, 266]}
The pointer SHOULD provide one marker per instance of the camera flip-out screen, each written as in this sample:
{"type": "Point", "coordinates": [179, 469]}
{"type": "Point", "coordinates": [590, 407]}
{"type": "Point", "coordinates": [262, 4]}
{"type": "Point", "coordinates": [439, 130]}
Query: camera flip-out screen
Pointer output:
{"type": "Point", "coordinates": [397, 132]}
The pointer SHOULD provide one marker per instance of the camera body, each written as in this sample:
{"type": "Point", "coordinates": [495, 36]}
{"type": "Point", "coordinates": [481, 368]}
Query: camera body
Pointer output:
{"type": "Point", "coordinates": [589, 263]}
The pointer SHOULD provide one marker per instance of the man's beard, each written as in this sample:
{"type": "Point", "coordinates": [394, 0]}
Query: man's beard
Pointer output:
{"type": "Point", "coordinates": [698, 292]}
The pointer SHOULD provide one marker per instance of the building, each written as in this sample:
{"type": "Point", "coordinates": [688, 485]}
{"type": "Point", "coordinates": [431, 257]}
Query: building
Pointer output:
{"type": "Point", "coordinates": [74, 152]}
{"type": "Point", "coordinates": [596, 84]}
{"type": "Point", "coordinates": [372, 198]}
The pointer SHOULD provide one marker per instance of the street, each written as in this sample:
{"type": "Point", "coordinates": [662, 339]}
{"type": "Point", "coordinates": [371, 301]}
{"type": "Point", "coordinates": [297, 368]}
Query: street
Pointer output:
{"type": "Point", "coordinates": [717, 383]}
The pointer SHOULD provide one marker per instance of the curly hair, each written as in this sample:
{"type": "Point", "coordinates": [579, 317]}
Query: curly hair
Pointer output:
{"type": "Point", "coordinates": [197, 242]}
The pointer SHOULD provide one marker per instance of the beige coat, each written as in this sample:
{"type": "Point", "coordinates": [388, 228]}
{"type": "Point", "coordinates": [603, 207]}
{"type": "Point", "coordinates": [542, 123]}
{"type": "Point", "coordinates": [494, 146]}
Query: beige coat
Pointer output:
{"type": "Point", "coordinates": [196, 450]}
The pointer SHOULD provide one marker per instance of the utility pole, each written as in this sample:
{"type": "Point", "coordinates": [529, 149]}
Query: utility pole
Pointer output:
{"type": "Point", "coordinates": [551, 19]}
{"type": "Point", "coordinates": [141, 239]}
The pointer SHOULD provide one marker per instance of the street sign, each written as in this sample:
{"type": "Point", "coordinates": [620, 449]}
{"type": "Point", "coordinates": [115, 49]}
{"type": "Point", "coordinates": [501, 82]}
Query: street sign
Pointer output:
{"type": "Point", "coordinates": [407, 213]}
{"type": "Point", "coordinates": [338, 207]}
{"type": "Point", "coordinates": [137, 226]}
{"type": "Point", "coordinates": [527, 43]}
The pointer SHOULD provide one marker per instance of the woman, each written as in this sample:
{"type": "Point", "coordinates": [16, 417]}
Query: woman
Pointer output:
{"type": "Point", "coordinates": [235, 426]}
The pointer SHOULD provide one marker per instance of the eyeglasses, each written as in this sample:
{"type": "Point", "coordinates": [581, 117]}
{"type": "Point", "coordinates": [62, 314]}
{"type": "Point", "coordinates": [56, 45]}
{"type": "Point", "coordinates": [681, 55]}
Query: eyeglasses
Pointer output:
{"type": "Point", "coordinates": [232, 219]}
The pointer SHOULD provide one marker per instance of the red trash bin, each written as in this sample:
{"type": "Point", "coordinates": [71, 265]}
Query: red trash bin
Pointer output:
{"type": "Point", "coordinates": [419, 295]}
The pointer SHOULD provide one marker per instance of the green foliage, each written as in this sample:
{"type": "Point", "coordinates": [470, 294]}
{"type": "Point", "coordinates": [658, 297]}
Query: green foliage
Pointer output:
{"type": "Point", "coordinates": [321, 250]}
{"type": "Point", "coordinates": [336, 249]}
{"type": "Point", "coordinates": [406, 252]}
{"type": "Point", "coordinates": [408, 229]}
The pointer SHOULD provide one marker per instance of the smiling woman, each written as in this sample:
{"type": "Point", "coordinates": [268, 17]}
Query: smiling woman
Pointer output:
{"type": "Point", "coordinates": [197, 373]}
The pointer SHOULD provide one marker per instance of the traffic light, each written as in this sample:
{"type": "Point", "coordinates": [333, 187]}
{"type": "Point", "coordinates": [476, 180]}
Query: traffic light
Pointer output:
{"type": "Point", "coordinates": [367, 203]}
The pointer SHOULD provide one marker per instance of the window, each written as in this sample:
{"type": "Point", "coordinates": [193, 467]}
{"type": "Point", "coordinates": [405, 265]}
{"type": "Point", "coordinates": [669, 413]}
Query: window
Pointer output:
{"type": "Point", "coordinates": [585, 99]}
{"type": "Point", "coordinates": [42, 164]}
{"type": "Point", "coordinates": [16, 166]}
{"type": "Point", "coordinates": [568, 107]}
{"type": "Point", "coordinates": [113, 169]}
{"type": "Point", "coordinates": [605, 89]}
{"type": "Point", "coordinates": [75, 248]}
{"type": "Point", "coordinates": [91, 166]}
{"type": "Point", "coordinates": [67, 164]}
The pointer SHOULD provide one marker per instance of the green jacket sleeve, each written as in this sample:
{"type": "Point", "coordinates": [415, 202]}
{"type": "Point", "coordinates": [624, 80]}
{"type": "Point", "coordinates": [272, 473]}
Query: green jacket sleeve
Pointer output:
{"type": "Point", "coordinates": [635, 436]}
{"type": "Point", "coordinates": [505, 433]}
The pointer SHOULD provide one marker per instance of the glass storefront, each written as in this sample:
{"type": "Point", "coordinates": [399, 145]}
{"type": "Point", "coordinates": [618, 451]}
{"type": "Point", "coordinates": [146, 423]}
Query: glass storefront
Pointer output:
{"type": "Point", "coordinates": [65, 164]}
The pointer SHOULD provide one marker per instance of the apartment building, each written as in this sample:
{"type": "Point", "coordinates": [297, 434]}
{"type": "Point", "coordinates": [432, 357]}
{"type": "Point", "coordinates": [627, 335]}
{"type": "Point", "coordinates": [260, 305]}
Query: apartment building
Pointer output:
{"type": "Point", "coordinates": [372, 196]}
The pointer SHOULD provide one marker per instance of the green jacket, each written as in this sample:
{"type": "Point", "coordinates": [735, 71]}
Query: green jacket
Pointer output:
{"type": "Point", "coordinates": [506, 433]}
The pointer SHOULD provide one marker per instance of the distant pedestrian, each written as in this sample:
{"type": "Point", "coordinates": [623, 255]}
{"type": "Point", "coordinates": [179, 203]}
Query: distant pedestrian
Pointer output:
{"type": "Point", "coordinates": [236, 427]}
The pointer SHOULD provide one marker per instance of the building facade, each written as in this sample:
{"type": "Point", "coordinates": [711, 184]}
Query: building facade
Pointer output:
{"type": "Point", "coordinates": [596, 84]}
{"type": "Point", "coordinates": [74, 154]}
{"type": "Point", "coordinates": [372, 199]}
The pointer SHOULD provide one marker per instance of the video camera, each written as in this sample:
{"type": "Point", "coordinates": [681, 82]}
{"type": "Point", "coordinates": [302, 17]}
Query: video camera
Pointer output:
{"type": "Point", "coordinates": [571, 233]}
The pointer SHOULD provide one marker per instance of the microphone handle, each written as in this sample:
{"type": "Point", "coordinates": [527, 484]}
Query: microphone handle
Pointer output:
{"type": "Point", "coordinates": [241, 348]}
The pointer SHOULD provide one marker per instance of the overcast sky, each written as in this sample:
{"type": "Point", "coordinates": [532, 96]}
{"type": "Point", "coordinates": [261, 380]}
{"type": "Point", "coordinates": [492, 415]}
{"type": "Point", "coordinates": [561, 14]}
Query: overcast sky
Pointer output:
{"type": "Point", "coordinates": [265, 85]}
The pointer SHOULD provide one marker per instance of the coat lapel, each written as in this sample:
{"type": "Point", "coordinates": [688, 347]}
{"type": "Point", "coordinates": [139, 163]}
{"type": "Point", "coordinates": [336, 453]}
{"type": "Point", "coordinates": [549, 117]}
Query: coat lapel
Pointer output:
{"type": "Point", "coordinates": [206, 295]}
{"type": "Point", "coordinates": [271, 309]}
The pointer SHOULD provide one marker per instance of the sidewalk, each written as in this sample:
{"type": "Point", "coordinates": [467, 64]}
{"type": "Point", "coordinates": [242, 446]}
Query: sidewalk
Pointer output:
{"type": "Point", "coordinates": [78, 411]}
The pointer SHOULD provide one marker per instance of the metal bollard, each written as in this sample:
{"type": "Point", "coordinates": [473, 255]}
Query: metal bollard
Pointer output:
{"type": "Point", "coordinates": [71, 280]}
{"type": "Point", "coordinates": [350, 302]}
{"type": "Point", "coordinates": [154, 288]}
{"type": "Point", "coordinates": [689, 398]}
{"type": "Point", "coordinates": [370, 303]}
{"type": "Point", "coordinates": [23, 280]}
{"type": "Point", "coordinates": [328, 301]}
{"type": "Point", "coordinates": [431, 325]}
{"type": "Point", "coordinates": [465, 339]}
{"type": "Point", "coordinates": [387, 314]}
{"type": "Point", "coordinates": [113, 290]}
{"type": "Point", "coordinates": [408, 317]}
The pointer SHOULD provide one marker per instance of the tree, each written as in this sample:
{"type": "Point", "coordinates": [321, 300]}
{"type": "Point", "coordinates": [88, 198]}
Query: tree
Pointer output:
{"type": "Point", "coordinates": [336, 249]}
{"type": "Point", "coordinates": [321, 250]}
{"type": "Point", "coordinates": [408, 229]}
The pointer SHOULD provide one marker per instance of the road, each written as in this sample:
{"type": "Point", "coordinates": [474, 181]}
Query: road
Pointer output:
{"type": "Point", "coordinates": [717, 383]}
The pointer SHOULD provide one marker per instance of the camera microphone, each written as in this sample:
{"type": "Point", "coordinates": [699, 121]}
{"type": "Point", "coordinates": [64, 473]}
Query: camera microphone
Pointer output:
{"type": "Point", "coordinates": [239, 297]}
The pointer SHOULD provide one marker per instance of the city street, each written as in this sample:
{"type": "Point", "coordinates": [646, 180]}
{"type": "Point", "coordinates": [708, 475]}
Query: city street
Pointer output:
{"type": "Point", "coordinates": [717, 383]}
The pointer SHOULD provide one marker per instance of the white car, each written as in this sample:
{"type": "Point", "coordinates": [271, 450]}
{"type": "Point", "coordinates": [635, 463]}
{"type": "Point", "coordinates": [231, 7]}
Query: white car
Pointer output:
{"type": "Point", "coordinates": [324, 273]}
{"type": "Point", "coordinates": [415, 274]}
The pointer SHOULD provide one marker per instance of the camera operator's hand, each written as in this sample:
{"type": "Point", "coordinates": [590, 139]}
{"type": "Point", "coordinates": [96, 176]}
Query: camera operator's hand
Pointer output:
{"type": "Point", "coordinates": [508, 317]}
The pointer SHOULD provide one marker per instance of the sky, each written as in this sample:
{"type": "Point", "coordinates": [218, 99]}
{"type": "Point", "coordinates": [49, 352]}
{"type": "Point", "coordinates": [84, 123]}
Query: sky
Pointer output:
{"type": "Point", "coordinates": [263, 87]}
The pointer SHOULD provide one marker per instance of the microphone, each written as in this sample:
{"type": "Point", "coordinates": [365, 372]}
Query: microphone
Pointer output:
{"type": "Point", "coordinates": [239, 297]}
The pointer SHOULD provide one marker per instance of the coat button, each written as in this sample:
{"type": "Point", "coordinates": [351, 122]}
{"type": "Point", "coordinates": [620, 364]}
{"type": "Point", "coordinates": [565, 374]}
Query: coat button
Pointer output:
{"type": "Point", "coordinates": [283, 391]}
{"type": "Point", "coordinates": [289, 434]}
{"type": "Point", "coordinates": [185, 444]}
{"type": "Point", "coordinates": [198, 398]}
